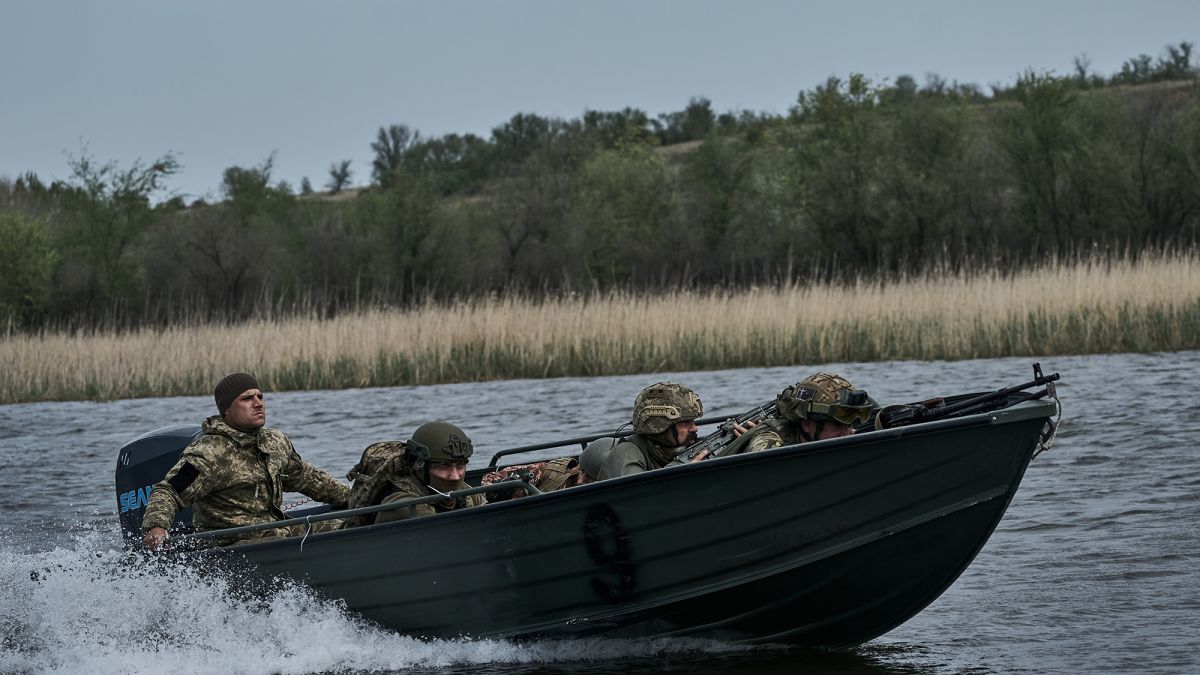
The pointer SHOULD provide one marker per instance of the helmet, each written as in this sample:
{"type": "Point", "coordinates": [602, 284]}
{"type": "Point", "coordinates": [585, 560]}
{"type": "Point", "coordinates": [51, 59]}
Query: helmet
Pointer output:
{"type": "Point", "coordinates": [663, 404]}
{"type": "Point", "coordinates": [824, 397]}
{"type": "Point", "coordinates": [591, 460]}
{"type": "Point", "coordinates": [440, 442]}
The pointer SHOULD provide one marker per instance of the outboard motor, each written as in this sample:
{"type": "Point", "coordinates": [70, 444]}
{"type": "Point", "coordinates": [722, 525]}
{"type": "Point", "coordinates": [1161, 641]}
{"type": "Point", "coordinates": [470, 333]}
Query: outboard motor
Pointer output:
{"type": "Point", "coordinates": [143, 462]}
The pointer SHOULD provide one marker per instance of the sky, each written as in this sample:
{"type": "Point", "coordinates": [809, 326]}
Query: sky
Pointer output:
{"type": "Point", "coordinates": [221, 83]}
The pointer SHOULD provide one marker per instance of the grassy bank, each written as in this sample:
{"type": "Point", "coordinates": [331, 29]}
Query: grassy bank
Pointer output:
{"type": "Point", "coordinates": [1096, 306]}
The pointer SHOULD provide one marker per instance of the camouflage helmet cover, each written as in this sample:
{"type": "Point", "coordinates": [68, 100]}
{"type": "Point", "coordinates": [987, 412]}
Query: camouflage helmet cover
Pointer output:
{"type": "Point", "coordinates": [662, 404]}
{"type": "Point", "coordinates": [440, 442]}
{"type": "Point", "coordinates": [822, 397]}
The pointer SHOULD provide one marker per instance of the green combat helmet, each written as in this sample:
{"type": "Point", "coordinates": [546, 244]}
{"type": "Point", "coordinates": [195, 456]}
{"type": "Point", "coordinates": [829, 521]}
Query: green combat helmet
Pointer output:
{"type": "Point", "coordinates": [435, 442]}
{"type": "Point", "coordinates": [823, 397]}
{"type": "Point", "coordinates": [661, 405]}
{"type": "Point", "coordinates": [591, 460]}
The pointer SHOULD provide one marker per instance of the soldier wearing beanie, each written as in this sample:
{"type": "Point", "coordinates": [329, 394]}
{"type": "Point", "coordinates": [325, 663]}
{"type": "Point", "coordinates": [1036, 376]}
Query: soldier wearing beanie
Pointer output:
{"type": "Point", "coordinates": [236, 473]}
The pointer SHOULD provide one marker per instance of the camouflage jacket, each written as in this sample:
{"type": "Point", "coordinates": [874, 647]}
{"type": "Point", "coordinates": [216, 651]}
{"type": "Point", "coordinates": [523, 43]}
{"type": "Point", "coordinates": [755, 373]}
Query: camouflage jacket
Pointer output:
{"type": "Point", "coordinates": [548, 476]}
{"type": "Point", "coordinates": [636, 454]}
{"type": "Point", "coordinates": [409, 487]}
{"type": "Point", "coordinates": [233, 478]}
{"type": "Point", "coordinates": [772, 432]}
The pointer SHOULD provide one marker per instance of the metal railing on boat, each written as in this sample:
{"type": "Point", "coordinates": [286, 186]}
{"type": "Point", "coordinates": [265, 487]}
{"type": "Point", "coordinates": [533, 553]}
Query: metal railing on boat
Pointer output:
{"type": "Point", "coordinates": [582, 441]}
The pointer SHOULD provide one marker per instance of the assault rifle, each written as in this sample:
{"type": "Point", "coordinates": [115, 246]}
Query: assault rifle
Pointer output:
{"type": "Point", "coordinates": [723, 434]}
{"type": "Point", "coordinates": [935, 409]}
{"type": "Point", "coordinates": [525, 476]}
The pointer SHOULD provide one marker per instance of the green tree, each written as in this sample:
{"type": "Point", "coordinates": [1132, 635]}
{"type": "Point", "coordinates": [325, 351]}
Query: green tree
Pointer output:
{"type": "Point", "coordinates": [251, 197]}
{"type": "Point", "coordinates": [1177, 64]}
{"type": "Point", "coordinates": [521, 136]}
{"type": "Point", "coordinates": [108, 210]}
{"type": "Point", "coordinates": [618, 128]}
{"type": "Point", "coordinates": [1154, 140]}
{"type": "Point", "coordinates": [453, 164]}
{"type": "Point", "coordinates": [690, 124]}
{"type": "Point", "coordinates": [339, 176]}
{"type": "Point", "coordinates": [527, 211]}
{"type": "Point", "coordinates": [837, 164]}
{"type": "Point", "coordinates": [624, 211]}
{"type": "Point", "coordinates": [1039, 137]}
{"type": "Point", "coordinates": [925, 179]}
{"type": "Point", "coordinates": [391, 145]}
{"type": "Point", "coordinates": [219, 258]}
{"type": "Point", "coordinates": [27, 262]}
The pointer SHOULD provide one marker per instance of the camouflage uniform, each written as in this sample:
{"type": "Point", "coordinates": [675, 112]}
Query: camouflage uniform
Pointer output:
{"type": "Point", "coordinates": [769, 433]}
{"type": "Point", "coordinates": [233, 478]}
{"type": "Point", "coordinates": [656, 412]}
{"type": "Point", "coordinates": [409, 487]}
{"type": "Point", "coordinates": [548, 476]}
{"type": "Point", "coordinates": [794, 404]}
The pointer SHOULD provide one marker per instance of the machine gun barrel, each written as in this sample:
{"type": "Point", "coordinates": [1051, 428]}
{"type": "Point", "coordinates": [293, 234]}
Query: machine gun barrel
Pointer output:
{"type": "Point", "coordinates": [900, 415]}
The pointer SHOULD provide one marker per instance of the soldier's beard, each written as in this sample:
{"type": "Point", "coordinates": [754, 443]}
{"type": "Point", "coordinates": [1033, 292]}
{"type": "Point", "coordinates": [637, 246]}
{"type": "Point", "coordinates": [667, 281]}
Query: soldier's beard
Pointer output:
{"type": "Point", "coordinates": [671, 438]}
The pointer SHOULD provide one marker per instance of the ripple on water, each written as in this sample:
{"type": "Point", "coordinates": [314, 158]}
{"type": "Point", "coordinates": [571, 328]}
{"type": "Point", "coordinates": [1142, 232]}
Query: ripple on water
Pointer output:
{"type": "Point", "coordinates": [1084, 574]}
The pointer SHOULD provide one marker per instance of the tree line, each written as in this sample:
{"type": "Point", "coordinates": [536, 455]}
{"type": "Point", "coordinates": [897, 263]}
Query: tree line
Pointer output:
{"type": "Point", "coordinates": [860, 178]}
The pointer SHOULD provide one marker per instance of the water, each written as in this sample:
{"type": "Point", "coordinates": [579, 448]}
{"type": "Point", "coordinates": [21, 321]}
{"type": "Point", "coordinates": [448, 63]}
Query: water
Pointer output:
{"type": "Point", "coordinates": [1093, 569]}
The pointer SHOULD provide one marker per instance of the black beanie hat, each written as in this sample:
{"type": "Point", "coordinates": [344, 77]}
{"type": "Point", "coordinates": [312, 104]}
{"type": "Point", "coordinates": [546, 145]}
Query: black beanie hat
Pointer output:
{"type": "Point", "coordinates": [232, 386]}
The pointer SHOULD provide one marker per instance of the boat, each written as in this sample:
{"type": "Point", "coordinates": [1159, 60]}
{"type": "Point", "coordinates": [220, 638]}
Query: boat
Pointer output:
{"type": "Point", "coordinates": [826, 544]}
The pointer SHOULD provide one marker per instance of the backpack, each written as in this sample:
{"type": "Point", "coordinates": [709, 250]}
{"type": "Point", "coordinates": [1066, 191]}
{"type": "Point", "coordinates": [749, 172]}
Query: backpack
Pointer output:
{"type": "Point", "coordinates": [372, 477]}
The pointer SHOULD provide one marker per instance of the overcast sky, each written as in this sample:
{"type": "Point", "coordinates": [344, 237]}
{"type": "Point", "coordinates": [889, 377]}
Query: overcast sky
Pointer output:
{"type": "Point", "coordinates": [224, 82]}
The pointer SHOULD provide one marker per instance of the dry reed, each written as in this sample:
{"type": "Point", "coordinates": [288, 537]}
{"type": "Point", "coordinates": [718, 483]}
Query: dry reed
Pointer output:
{"type": "Point", "coordinates": [1096, 306]}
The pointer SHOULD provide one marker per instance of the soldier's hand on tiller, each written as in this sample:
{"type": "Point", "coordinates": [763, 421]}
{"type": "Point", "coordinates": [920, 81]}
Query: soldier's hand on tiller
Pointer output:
{"type": "Point", "coordinates": [154, 538]}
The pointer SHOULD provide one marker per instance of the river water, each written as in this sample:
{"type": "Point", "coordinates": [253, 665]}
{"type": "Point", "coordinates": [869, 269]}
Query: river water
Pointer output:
{"type": "Point", "coordinates": [1093, 569]}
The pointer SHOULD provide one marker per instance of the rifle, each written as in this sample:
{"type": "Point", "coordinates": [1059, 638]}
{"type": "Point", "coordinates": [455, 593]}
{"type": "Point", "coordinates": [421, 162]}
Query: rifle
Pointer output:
{"type": "Point", "coordinates": [935, 409]}
{"type": "Point", "coordinates": [524, 476]}
{"type": "Point", "coordinates": [723, 434]}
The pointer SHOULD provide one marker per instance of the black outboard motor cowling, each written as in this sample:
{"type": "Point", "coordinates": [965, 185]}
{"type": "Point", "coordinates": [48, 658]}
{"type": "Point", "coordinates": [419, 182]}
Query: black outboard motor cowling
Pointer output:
{"type": "Point", "coordinates": [143, 462]}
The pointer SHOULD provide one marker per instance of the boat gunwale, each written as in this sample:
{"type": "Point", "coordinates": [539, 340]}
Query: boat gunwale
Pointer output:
{"type": "Point", "coordinates": [1022, 410]}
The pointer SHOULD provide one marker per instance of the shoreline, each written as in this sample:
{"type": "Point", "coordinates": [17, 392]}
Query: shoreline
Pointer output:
{"type": "Point", "coordinates": [1090, 307]}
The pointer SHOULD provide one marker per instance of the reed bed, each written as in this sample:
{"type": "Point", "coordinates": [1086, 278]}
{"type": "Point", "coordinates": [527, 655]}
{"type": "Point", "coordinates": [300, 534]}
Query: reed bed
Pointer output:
{"type": "Point", "coordinates": [1093, 306]}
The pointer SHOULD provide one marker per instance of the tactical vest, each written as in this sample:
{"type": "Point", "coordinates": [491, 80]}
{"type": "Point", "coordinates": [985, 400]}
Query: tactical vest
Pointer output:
{"type": "Point", "coordinates": [548, 476]}
{"type": "Point", "coordinates": [381, 465]}
{"type": "Point", "coordinates": [788, 431]}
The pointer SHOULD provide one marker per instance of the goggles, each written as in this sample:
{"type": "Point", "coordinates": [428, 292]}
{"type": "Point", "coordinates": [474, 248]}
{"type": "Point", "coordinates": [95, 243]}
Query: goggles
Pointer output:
{"type": "Point", "coordinates": [840, 412]}
{"type": "Point", "coordinates": [853, 406]}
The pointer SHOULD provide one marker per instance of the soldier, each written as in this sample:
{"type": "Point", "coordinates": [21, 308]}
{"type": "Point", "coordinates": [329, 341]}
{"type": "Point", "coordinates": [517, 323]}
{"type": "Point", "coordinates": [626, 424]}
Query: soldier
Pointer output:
{"type": "Point", "coordinates": [820, 406]}
{"type": "Point", "coordinates": [664, 422]}
{"type": "Point", "coordinates": [554, 474]}
{"type": "Point", "coordinates": [236, 473]}
{"type": "Point", "coordinates": [438, 455]}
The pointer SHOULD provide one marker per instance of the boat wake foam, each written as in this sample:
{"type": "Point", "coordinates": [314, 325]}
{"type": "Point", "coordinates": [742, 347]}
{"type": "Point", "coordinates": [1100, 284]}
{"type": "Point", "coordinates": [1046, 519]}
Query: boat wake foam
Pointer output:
{"type": "Point", "coordinates": [88, 606]}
